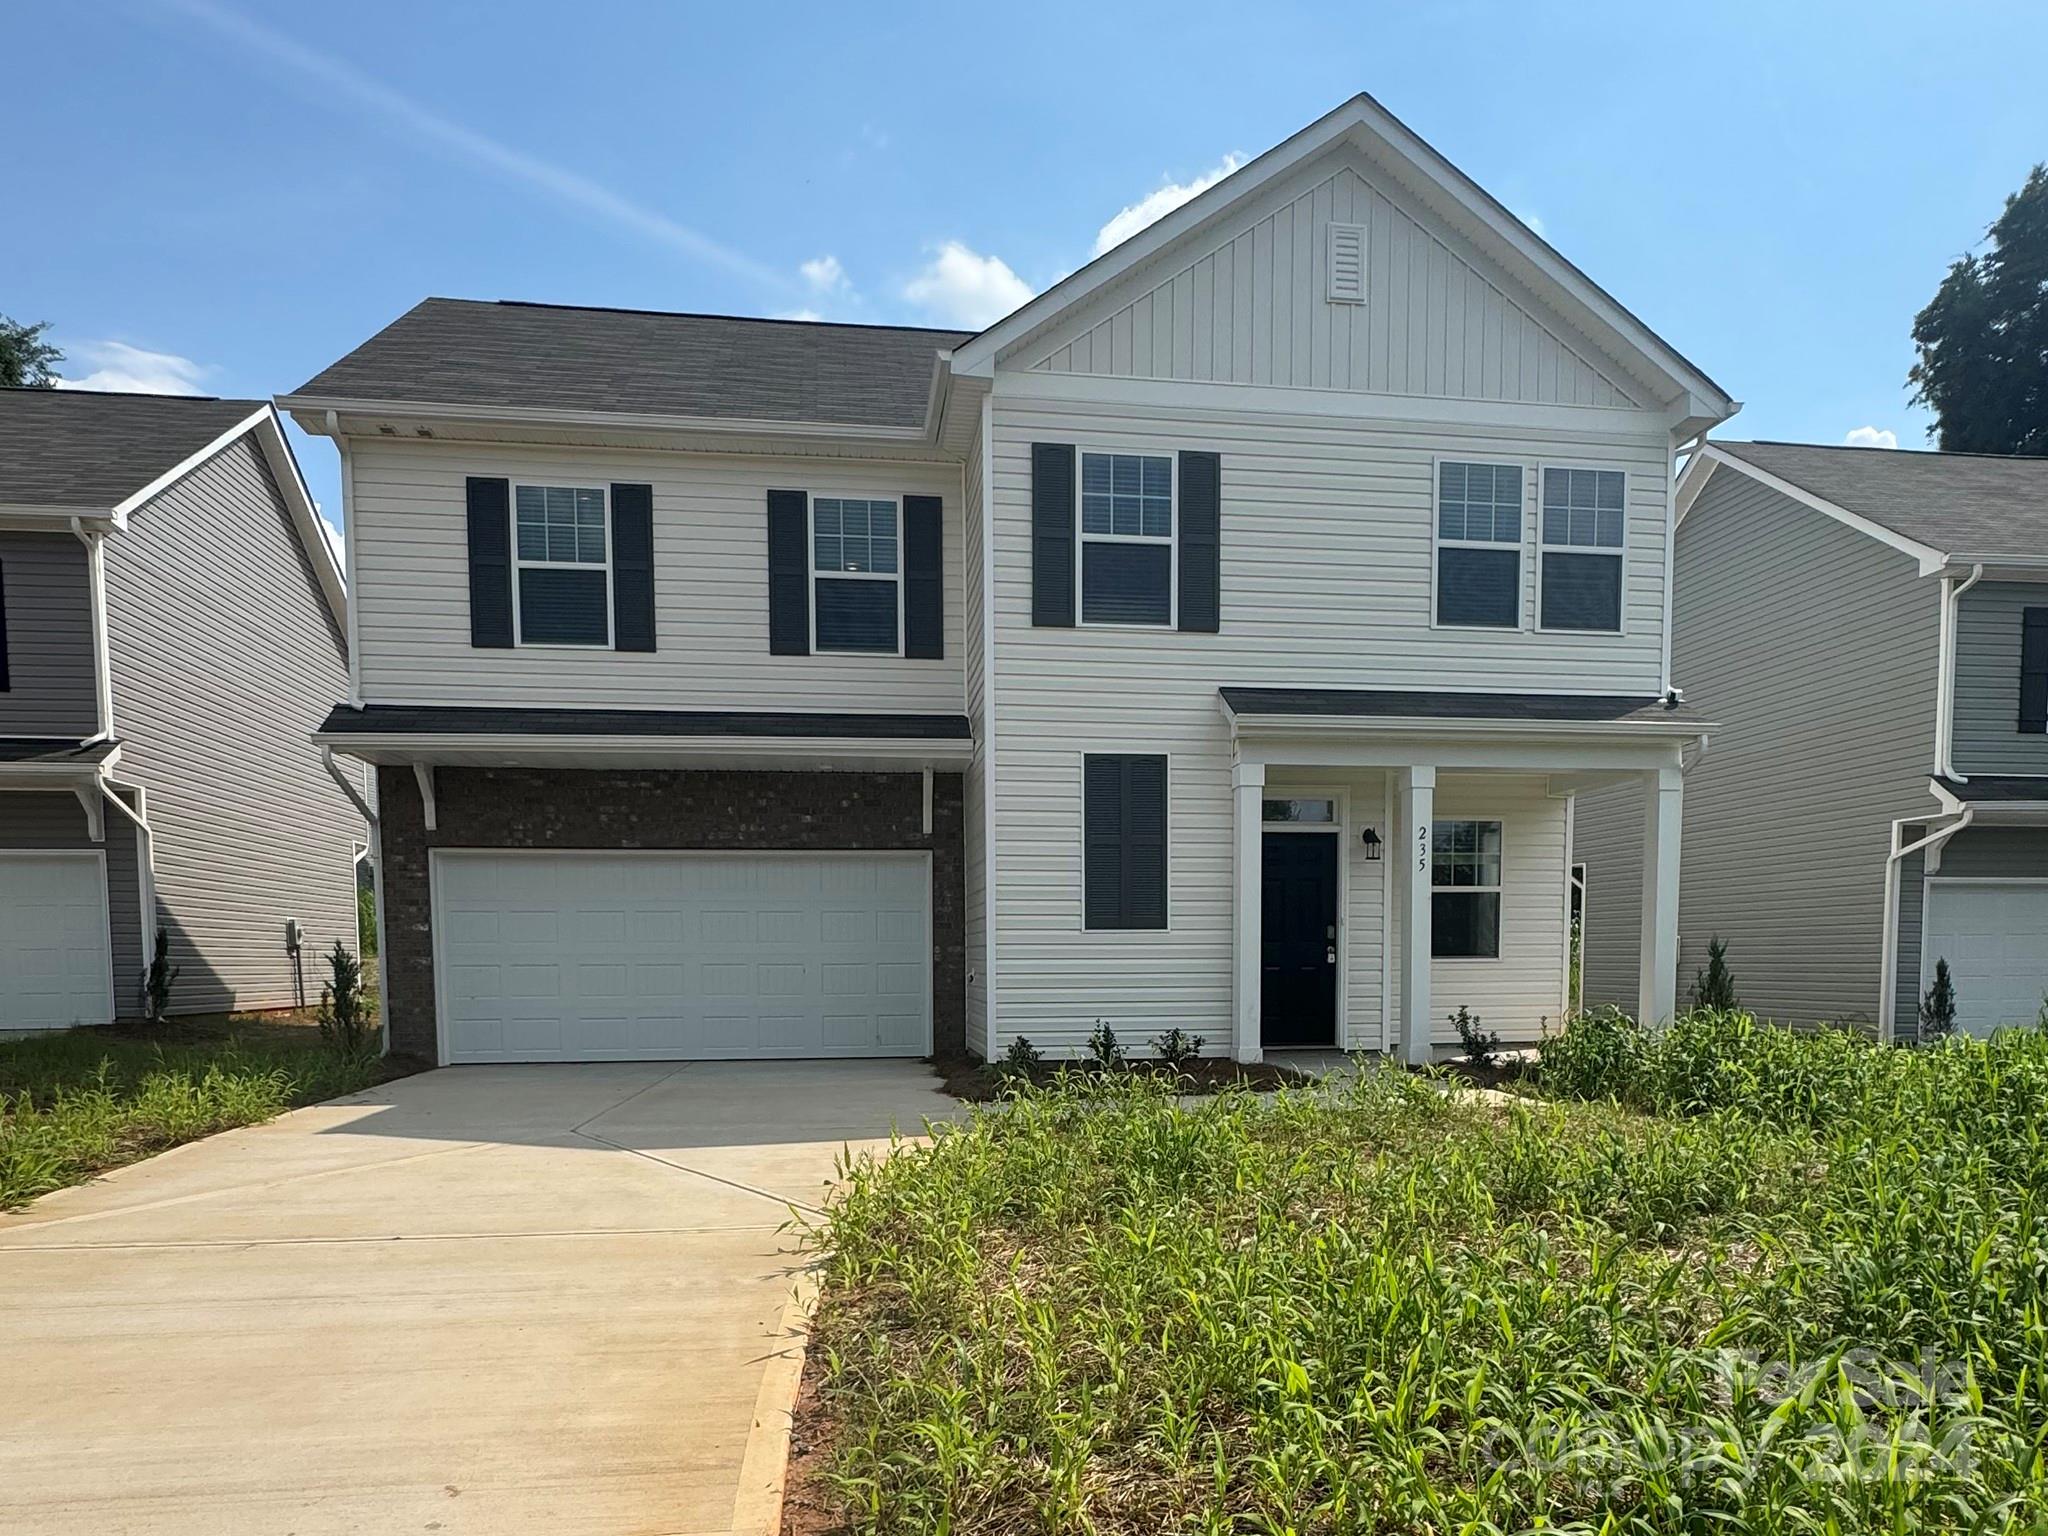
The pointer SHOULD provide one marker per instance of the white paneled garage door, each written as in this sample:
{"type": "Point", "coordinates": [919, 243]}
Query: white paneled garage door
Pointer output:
{"type": "Point", "coordinates": [56, 963]}
{"type": "Point", "coordinates": [1994, 935]}
{"type": "Point", "coordinates": [583, 956]}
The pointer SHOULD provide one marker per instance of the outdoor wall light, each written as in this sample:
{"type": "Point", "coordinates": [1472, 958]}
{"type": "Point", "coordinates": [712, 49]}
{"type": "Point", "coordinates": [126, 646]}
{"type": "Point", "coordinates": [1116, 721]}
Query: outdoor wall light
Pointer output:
{"type": "Point", "coordinates": [1372, 844]}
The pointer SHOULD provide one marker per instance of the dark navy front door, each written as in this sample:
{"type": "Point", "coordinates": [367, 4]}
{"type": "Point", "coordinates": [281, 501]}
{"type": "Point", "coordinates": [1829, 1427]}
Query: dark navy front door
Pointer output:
{"type": "Point", "coordinates": [1298, 946]}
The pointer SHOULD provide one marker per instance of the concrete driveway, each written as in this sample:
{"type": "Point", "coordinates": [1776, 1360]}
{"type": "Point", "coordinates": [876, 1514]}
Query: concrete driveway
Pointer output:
{"type": "Point", "coordinates": [485, 1299]}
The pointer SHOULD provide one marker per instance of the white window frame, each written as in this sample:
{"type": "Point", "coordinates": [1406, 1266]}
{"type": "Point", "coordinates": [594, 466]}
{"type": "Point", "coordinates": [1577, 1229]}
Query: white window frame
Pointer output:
{"type": "Point", "coordinates": [1620, 553]}
{"type": "Point", "coordinates": [1437, 542]}
{"type": "Point", "coordinates": [519, 563]}
{"type": "Point", "coordinates": [811, 501]}
{"type": "Point", "coordinates": [1081, 823]}
{"type": "Point", "coordinates": [1084, 538]}
{"type": "Point", "coordinates": [1500, 890]}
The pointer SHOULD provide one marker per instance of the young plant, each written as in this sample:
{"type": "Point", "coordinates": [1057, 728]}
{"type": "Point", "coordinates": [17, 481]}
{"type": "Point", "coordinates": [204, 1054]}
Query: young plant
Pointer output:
{"type": "Point", "coordinates": [158, 977]}
{"type": "Point", "coordinates": [1021, 1061]}
{"type": "Point", "coordinates": [1176, 1049]}
{"type": "Point", "coordinates": [1714, 987]}
{"type": "Point", "coordinates": [1481, 1045]}
{"type": "Point", "coordinates": [1938, 1007]}
{"type": "Point", "coordinates": [344, 1011]}
{"type": "Point", "coordinates": [1105, 1051]}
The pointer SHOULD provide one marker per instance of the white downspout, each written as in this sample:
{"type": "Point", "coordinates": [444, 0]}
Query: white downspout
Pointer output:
{"type": "Point", "coordinates": [1945, 684]}
{"type": "Point", "coordinates": [1888, 996]}
{"type": "Point", "coordinates": [376, 887]}
{"type": "Point", "coordinates": [1678, 451]}
{"type": "Point", "coordinates": [96, 583]}
{"type": "Point", "coordinates": [145, 873]}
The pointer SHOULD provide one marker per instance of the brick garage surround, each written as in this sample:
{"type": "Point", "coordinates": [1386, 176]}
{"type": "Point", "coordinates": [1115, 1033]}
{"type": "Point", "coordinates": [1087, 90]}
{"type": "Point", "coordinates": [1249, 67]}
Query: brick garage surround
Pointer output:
{"type": "Point", "coordinates": [609, 809]}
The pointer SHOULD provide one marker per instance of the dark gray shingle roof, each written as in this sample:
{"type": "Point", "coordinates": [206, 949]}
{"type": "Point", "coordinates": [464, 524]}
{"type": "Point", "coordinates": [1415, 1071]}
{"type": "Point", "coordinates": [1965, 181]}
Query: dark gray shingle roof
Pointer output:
{"type": "Point", "coordinates": [1989, 789]}
{"type": "Point", "coordinates": [455, 719]}
{"type": "Point", "coordinates": [84, 449]}
{"type": "Point", "coordinates": [639, 362]}
{"type": "Point", "coordinates": [1958, 503]}
{"type": "Point", "coordinates": [1393, 703]}
{"type": "Point", "coordinates": [43, 752]}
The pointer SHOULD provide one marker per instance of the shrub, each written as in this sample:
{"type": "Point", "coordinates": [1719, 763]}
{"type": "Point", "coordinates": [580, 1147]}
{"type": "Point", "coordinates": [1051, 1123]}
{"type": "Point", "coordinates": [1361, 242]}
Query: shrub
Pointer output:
{"type": "Point", "coordinates": [1177, 1048]}
{"type": "Point", "coordinates": [1021, 1060]}
{"type": "Point", "coordinates": [1938, 1007]}
{"type": "Point", "coordinates": [1715, 986]}
{"type": "Point", "coordinates": [1598, 1055]}
{"type": "Point", "coordinates": [344, 1012]}
{"type": "Point", "coordinates": [366, 922]}
{"type": "Point", "coordinates": [157, 980]}
{"type": "Point", "coordinates": [1105, 1052]}
{"type": "Point", "coordinates": [1480, 1045]}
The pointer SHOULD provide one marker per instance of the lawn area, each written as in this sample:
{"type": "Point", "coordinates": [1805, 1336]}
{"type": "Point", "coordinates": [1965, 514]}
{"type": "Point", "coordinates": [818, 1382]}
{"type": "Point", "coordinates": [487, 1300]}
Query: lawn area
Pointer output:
{"type": "Point", "coordinates": [80, 1102]}
{"type": "Point", "coordinates": [1725, 1278]}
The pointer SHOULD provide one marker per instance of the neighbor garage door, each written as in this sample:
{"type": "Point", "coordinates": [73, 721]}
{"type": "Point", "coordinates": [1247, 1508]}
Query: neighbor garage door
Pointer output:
{"type": "Point", "coordinates": [56, 965]}
{"type": "Point", "coordinates": [640, 956]}
{"type": "Point", "coordinates": [1994, 935]}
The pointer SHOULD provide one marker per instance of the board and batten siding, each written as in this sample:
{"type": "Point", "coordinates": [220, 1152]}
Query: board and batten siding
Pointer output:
{"type": "Point", "coordinates": [46, 589]}
{"type": "Point", "coordinates": [1248, 305]}
{"type": "Point", "coordinates": [975, 787]}
{"type": "Point", "coordinates": [1326, 582]}
{"type": "Point", "coordinates": [710, 584]}
{"type": "Point", "coordinates": [39, 820]}
{"type": "Point", "coordinates": [224, 658]}
{"type": "Point", "coordinates": [1987, 708]}
{"type": "Point", "coordinates": [1814, 650]}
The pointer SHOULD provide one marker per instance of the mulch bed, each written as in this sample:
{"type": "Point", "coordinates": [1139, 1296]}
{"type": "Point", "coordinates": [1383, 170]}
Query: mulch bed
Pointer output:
{"type": "Point", "coordinates": [809, 1505]}
{"type": "Point", "coordinates": [977, 1083]}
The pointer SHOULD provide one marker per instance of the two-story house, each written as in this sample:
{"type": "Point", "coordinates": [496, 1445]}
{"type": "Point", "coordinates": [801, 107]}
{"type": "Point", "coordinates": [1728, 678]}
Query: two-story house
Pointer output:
{"type": "Point", "coordinates": [171, 620]}
{"type": "Point", "coordinates": [1217, 642]}
{"type": "Point", "coordinates": [1869, 628]}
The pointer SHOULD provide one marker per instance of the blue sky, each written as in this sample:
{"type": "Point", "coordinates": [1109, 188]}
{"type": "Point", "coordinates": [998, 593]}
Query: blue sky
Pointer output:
{"type": "Point", "coordinates": [225, 196]}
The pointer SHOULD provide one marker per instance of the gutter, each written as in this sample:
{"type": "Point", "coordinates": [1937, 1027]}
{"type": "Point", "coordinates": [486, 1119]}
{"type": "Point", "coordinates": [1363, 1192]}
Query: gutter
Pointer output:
{"type": "Point", "coordinates": [146, 874]}
{"type": "Point", "coordinates": [1945, 682]}
{"type": "Point", "coordinates": [377, 889]}
{"type": "Point", "coordinates": [1888, 995]}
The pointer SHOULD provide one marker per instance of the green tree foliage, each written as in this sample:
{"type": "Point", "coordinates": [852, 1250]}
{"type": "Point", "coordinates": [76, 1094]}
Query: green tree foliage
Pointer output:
{"type": "Point", "coordinates": [1715, 986]}
{"type": "Point", "coordinates": [1983, 338]}
{"type": "Point", "coordinates": [25, 358]}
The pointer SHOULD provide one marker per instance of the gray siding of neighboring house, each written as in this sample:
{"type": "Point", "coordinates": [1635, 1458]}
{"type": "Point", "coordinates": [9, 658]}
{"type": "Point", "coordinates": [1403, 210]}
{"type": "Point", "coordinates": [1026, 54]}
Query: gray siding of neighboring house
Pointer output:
{"type": "Point", "coordinates": [47, 594]}
{"type": "Point", "coordinates": [1987, 734]}
{"type": "Point", "coordinates": [1814, 649]}
{"type": "Point", "coordinates": [39, 819]}
{"type": "Point", "coordinates": [224, 659]}
{"type": "Point", "coordinates": [1906, 983]}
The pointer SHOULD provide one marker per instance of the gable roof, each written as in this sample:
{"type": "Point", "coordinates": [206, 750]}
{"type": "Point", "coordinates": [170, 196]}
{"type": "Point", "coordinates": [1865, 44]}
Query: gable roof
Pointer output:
{"type": "Point", "coordinates": [556, 358]}
{"type": "Point", "coordinates": [1448, 193]}
{"type": "Point", "coordinates": [102, 454]}
{"type": "Point", "coordinates": [1939, 507]}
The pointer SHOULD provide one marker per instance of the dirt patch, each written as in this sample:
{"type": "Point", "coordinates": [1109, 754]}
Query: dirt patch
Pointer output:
{"type": "Point", "coordinates": [978, 1083]}
{"type": "Point", "coordinates": [810, 1506]}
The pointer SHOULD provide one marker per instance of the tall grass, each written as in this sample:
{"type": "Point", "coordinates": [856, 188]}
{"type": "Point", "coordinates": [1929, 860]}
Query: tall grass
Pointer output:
{"type": "Point", "coordinates": [1808, 1291]}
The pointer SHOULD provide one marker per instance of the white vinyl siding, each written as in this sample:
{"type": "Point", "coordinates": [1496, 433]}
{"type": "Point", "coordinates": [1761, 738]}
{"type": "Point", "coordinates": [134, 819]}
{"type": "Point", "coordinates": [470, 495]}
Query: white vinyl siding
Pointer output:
{"type": "Point", "coordinates": [710, 585]}
{"type": "Point", "coordinates": [46, 596]}
{"type": "Point", "coordinates": [1251, 304]}
{"type": "Point", "coordinates": [974, 807]}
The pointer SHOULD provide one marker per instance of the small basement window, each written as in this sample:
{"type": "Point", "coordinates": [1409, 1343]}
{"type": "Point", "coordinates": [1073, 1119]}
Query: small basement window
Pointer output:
{"type": "Point", "coordinates": [1126, 546]}
{"type": "Point", "coordinates": [563, 594]}
{"type": "Point", "coordinates": [855, 559]}
{"type": "Point", "coordinates": [1479, 545]}
{"type": "Point", "coordinates": [1585, 524]}
{"type": "Point", "coordinates": [1464, 899]}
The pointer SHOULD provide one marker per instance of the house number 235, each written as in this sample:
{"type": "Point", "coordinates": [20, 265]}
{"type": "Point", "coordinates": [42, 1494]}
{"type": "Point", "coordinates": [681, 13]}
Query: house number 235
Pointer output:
{"type": "Point", "coordinates": [1422, 847]}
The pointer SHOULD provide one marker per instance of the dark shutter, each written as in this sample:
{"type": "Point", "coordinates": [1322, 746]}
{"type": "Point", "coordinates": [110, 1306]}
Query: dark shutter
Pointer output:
{"type": "Point", "coordinates": [789, 581]}
{"type": "Point", "coordinates": [1201, 542]}
{"type": "Point", "coordinates": [1052, 535]}
{"type": "Point", "coordinates": [1124, 857]}
{"type": "Point", "coordinates": [633, 567]}
{"type": "Point", "coordinates": [924, 594]}
{"type": "Point", "coordinates": [2034, 669]}
{"type": "Point", "coordinates": [5, 682]}
{"type": "Point", "coordinates": [490, 562]}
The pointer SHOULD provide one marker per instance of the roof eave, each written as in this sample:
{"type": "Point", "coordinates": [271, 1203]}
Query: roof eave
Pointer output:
{"type": "Point", "coordinates": [311, 411]}
{"type": "Point", "coordinates": [1455, 726]}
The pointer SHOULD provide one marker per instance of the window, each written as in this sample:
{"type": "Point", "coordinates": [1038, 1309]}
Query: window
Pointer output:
{"type": "Point", "coordinates": [2033, 670]}
{"type": "Point", "coordinates": [1300, 813]}
{"type": "Point", "coordinates": [1464, 899]}
{"type": "Point", "coordinates": [1585, 516]}
{"type": "Point", "coordinates": [1479, 545]}
{"type": "Point", "coordinates": [1123, 837]}
{"type": "Point", "coordinates": [563, 591]}
{"type": "Point", "coordinates": [854, 560]}
{"type": "Point", "coordinates": [1126, 546]}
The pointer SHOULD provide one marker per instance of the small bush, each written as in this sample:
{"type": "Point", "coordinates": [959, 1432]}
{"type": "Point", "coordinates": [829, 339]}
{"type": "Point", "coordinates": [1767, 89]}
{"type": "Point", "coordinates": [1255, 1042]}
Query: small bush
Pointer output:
{"type": "Point", "coordinates": [1481, 1046]}
{"type": "Point", "coordinates": [344, 1011]}
{"type": "Point", "coordinates": [1176, 1049]}
{"type": "Point", "coordinates": [1105, 1051]}
{"type": "Point", "coordinates": [1598, 1055]}
{"type": "Point", "coordinates": [366, 922]}
{"type": "Point", "coordinates": [157, 980]}
{"type": "Point", "coordinates": [1022, 1060]}
{"type": "Point", "coordinates": [1938, 1007]}
{"type": "Point", "coordinates": [1714, 987]}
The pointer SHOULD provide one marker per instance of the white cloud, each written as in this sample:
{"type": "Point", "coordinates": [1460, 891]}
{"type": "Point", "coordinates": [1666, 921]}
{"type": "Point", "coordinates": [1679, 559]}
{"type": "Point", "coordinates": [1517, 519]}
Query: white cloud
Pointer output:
{"type": "Point", "coordinates": [1534, 221]}
{"type": "Point", "coordinates": [379, 100]}
{"type": "Point", "coordinates": [1872, 437]}
{"type": "Point", "coordinates": [964, 287]}
{"type": "Point", "coordinates": [1157, 205]}
{"type": "Point", "coordinates": [824, 274]}
{"type": "Point", "coordinates": [335, 544]}
{"type": "Point", "coordinates": [131, 370]}
{"type": "Point", "coordinates": [798, 314]}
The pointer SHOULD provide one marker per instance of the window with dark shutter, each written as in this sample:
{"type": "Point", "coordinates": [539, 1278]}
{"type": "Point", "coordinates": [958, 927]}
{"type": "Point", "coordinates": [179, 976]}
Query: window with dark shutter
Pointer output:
{"type": "Point", "coordinates": [1124, 841]}
{"type": "Point", "coordinates": [924, 610]}
{"type": "Point", "coordinates": [1479, 545]}
{"type": "Point", "coordinates": [490, 562]}
{"type": "Point", "coordinates": [856, 549]}
{"type": "Point", "coordinates": [1201, 542]}
{"type": "Point", "coordinates": [561, 557]}
{"type": "Point", "coordinates": [2034, 670]}
{"type": "Point", "coordinates": [789, 574]}
{"type": "Point", "coordinates": [1127, 538]}
{"type": "Point", "coordinates": [633, 567]}
{"type": "Point", "coordinates": [1052, 535]}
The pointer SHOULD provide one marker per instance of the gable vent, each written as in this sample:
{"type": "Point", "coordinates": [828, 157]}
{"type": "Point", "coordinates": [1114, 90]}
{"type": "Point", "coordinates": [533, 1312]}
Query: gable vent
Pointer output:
{"type": "Point", "coordinates": [1347, 263]}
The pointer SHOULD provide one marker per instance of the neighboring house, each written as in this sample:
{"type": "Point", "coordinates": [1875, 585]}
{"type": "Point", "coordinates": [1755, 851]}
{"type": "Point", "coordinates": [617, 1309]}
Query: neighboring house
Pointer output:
{"type": "Point", "coordinates": [1217, 642]}
{"type": "Point", "coordinates": [1870, 629]}
{"type": "Point", "coordinates": [171, 622]}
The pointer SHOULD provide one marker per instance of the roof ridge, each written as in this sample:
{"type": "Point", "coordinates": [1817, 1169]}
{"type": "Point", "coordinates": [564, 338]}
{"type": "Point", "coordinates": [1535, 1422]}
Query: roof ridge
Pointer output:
{"type": "Point", "coordinates": [127, 394]}
{"type": "Point", "coordinates": [1922, 453]}
{"type": "Point", "coordinates": [701, 314]}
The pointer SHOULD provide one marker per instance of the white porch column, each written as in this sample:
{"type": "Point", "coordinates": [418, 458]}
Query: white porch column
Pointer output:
{"type": "Point", "coordinates": [1247, 793]}
{"type": "Point", "coordinates": [1664, 805]}
{"type": "Point", "coordinates": [1417, 791]}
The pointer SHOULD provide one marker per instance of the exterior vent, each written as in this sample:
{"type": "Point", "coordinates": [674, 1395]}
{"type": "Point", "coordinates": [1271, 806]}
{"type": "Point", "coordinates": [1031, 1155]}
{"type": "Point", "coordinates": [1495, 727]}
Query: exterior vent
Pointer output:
{"type": "Point", "coordinates": [1347, 263]}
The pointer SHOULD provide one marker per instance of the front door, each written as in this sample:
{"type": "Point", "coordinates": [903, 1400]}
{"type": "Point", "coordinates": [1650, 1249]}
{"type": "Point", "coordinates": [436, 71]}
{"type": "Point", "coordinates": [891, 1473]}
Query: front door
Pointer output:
{"type": "Point", "coordinates": [1298, 945]}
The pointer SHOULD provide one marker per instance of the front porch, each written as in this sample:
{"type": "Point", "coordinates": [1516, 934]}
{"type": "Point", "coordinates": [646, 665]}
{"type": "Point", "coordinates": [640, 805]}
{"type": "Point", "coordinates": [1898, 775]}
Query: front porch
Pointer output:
{"type": "Point", "coordinates": [1399, 855]}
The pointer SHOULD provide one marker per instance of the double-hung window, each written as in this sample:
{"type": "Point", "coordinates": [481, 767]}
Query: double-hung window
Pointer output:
{"type": "Point", "coordinates": [1479, 545]}
{"type": "Point", "coordinates": [1585, 520]}
{"type": "Point", "coordinates": [1464, 895]}
{"type": "Point", "coordinates": [855, 563]}
{"type": "Point", "coordinates": [563, 590]}
{"type": "Point", "coordinates": [1126, 547]}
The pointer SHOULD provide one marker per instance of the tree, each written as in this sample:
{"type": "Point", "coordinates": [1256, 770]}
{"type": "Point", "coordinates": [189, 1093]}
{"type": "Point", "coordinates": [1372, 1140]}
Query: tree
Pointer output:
{"type": "Point", "coordinates": [25, 358]}
{"type": "Point", "coordinates": [1938, 1007]}
{"type": "Point", "coordinates": [1983, 338]}
{"type": "Point", "coordinates": [1715, 986]}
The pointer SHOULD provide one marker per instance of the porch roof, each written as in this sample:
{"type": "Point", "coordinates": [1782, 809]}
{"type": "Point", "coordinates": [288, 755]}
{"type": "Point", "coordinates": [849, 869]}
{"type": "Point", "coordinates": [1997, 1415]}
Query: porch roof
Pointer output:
{"type": "Point", "coordinates": [1996, 789]}
{"type": "Point", "coordinates": [45, 752]}
{"type": "Point", "coordinates": [1392, 708]}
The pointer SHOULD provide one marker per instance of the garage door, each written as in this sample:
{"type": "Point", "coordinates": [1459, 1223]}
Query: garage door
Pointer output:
{"type": "Point", "coordinates": [672, 956]}
{"type": "Point", "coordinates": [1995, 938]}
{"type": "Point", "coordinates": [56, 965]}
